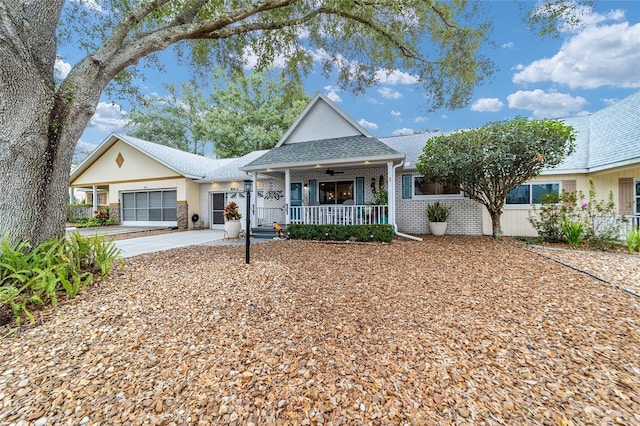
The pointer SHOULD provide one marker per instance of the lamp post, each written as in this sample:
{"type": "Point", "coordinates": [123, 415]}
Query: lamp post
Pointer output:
{"type": "Point", "coordinates": [247, 188]}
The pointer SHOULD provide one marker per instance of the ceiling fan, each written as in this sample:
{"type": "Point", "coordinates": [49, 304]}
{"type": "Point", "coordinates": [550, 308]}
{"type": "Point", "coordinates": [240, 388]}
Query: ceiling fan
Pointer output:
{"type": "Point", "coordinates": [333, 172]}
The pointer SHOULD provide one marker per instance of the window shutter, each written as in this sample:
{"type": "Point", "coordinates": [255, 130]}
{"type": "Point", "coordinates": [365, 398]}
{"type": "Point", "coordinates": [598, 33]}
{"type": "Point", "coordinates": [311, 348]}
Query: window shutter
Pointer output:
{"type": "Point", "coordinates": [569, 186]}
{"type": "Point", "coordinates": [625, 195]}
{"type": "Point", "coordinates": [313, 190]}
{"type": "Point", "coordinates": [359, 190]}
{"type": "Point", "coordinates": [406, 186]}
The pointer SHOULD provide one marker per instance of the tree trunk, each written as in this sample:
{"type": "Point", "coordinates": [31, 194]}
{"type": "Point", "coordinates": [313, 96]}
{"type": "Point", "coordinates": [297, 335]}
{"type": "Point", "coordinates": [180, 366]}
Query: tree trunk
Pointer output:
{"type": "Point", "coordinates": [38, 130]}
{"type": "Point", "coordinates": [495, 223]}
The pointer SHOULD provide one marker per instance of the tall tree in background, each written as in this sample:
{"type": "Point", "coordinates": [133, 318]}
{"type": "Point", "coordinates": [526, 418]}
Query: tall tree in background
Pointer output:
{"type": "Point", "coordinates": [491, 161]}
{"type": "Point", "coordinates": [252, 113]}
{"type": "Point", "coordinates": [243, 114]}
{"type": "Point", "coordinates": [41, 121]}
{"type": "Point", "coordinates": [176, 120]}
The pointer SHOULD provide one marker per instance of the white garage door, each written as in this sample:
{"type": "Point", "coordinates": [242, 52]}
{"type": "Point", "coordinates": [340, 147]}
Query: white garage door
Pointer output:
{"type": "Point", "coordinates": [150, 208]}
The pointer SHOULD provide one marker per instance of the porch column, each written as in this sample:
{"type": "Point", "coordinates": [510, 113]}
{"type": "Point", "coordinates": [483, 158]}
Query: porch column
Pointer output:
{"type": "Point", "coordinates": [287, 195]}
{"type": "Point", "coordinates": [254, 199]}
{"type": "Point", "coordinates": [391, 189]}
{"type": "Point", "coordinates": [95, 198]}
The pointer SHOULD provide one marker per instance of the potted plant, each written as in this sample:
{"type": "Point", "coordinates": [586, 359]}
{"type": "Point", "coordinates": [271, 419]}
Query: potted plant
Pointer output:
{"type": "Point", "coordinates": [232, 216]}
{"type": "Point", "coordinates": [381, 198]}
{"type": "Point", "coordinates": [437, 214]}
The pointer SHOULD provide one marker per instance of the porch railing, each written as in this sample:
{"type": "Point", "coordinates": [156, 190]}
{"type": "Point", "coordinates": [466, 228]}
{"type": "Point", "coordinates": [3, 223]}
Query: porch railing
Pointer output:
{"type": "Point", "coordinates": [266, 216]}
{"type": "Point", "coordinates": [339, 215]}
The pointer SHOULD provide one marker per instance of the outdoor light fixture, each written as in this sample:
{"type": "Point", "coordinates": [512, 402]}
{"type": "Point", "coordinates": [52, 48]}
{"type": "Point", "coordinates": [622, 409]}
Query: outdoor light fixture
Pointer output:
{"type": "Point", "coordinates": [248, 184]}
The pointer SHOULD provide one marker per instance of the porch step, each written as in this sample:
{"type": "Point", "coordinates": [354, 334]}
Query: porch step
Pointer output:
{"type": "Point", "coordinates": [263, 233]}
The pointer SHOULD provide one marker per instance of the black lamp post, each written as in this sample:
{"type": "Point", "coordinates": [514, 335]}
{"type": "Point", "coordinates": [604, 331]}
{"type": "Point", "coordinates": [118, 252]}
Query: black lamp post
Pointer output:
{"type": "Point", "coordinates": [247, 188]}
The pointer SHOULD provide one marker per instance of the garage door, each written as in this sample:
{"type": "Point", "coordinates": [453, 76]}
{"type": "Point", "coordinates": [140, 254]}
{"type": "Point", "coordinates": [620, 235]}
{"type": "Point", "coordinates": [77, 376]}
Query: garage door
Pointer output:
{"type": "Point", "coordinates": [149, 208]}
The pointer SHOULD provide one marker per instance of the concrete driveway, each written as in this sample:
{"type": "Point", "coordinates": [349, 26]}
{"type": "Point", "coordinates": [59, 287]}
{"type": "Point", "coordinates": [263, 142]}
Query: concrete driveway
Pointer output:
{"type": "Point", "coordinates": [153, 243]}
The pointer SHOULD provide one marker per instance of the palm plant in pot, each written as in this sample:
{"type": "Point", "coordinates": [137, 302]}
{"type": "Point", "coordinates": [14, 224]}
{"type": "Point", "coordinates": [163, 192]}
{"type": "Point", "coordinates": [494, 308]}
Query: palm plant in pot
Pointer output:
{"type": "Point", "coordinates": [232, 215]}
{"type": "Point", "coordinates": [437, 213]}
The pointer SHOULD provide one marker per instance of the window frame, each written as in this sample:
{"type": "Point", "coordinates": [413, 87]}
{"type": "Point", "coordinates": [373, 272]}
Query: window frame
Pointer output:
{"type": "Point", "coordinates": [531, 203]}
{"type": "Point", "coordinates": [431, 197]}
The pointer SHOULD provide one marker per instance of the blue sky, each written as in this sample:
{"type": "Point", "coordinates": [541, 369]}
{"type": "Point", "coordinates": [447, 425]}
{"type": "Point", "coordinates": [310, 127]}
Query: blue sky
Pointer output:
{"type": "Point", "coordinates": [581, 72]}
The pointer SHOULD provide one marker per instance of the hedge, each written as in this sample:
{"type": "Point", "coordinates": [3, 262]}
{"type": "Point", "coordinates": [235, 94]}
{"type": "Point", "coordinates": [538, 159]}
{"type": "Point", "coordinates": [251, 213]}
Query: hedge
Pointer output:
{"type": "Point", "coordinates": [341, 232]}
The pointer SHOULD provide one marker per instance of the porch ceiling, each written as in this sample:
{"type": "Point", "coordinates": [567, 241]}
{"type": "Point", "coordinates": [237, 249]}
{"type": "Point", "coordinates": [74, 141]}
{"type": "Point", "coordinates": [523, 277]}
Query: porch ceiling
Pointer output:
{"type": "Point", "coordinates": [338, 151]}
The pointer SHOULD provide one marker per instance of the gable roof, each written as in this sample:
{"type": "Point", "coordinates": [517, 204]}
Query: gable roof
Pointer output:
{"type": "Point", "coordinates": [184, 163]}
{"type": "Point", "coordinates": [346, 150]}
{"type": "Point", "coordinates": [410, 145]}
{"type": "Point", "coordinates": [335, 114]}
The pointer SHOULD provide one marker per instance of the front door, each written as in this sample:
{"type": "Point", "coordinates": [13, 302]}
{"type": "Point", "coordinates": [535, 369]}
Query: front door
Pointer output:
{"type": "Point", "coordinates": [217, 208]}
{"type": "Point", "coordinates": [296, 200]}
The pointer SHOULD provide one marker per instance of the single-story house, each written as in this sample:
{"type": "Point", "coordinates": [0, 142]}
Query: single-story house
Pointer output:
{"type": "Point", "coordinates": [329, 169]}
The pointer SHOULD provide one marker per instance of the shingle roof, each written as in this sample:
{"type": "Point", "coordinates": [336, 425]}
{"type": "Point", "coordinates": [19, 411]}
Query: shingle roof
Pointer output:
{"type": "Point", "coordinates": [410, 145]}
{"type": "Point", "coordinates": [338, 150]}
{"type": "Point", "coordinates": [231, 170]}
{"type": "Point", "coordinates": [605, 139]}
{"type": "Point", "coordinates": [185, 163]}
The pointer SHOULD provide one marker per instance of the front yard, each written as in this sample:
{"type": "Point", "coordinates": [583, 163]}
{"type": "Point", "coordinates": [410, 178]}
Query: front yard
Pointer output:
{"type": "Point", "coordinates": [451, 330]}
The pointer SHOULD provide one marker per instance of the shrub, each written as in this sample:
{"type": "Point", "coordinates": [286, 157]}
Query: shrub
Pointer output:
{"type": "Point", "coordinates": [341, 232]}
{"type": "Point", "coordinates": [572, 231]}
{"type": "Point", "coordinates": [232, 212]}
{"type": "Point", "coordinates": [38, 275]}
{"type": "Point", "coordinates": [601, 224]}
{"type": "Point", "coordinates": [633, 239]}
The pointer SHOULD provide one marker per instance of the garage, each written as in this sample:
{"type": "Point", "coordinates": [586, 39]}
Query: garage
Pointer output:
{"type": "Point", "coordinates": [149, 208]}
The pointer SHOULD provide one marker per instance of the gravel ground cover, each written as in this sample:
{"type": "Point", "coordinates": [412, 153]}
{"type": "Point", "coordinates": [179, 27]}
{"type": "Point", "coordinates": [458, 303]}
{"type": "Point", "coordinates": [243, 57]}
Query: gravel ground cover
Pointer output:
{"type": "Point", "coordinates": [451, 330]}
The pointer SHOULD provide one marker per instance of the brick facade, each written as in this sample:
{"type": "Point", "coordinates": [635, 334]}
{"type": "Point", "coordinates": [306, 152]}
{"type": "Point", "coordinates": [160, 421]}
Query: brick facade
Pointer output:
{"type": "Point", "coordinates": [411, 213]}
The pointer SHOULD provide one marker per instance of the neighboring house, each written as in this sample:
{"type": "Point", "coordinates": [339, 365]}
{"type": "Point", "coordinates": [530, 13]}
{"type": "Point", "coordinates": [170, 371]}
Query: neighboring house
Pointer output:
{"type": "Point", "coordinates": [327, 169]}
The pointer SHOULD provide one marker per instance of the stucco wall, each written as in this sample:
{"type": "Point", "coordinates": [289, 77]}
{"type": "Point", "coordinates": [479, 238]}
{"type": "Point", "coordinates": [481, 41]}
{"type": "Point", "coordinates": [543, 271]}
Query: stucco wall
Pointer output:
{"type": "Point", "coordinates": [134, 166]}
{"type": "Point", "coordinates": [514, 220]}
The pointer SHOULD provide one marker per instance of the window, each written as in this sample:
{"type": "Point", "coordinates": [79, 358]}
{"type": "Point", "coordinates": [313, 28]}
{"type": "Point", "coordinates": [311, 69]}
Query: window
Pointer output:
{"type": "Point", "coordinates": [422, 187]}
{"type": "Point", "coordinates": [335, 192]}
{"type": "Point", "coordinates": [531, 193]}
{"type": "Point", "coordinates": [637, 197]}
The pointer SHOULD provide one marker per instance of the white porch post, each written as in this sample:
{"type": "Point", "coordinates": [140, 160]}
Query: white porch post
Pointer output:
{"type": "Point", "coordinates": [287, 195]}
{"type": "Point", "coordinates": [391, 185]}
{"type": "Point", "coordinates": [95, 198]}
{"type": "Point", "coordinates": [254, 199]}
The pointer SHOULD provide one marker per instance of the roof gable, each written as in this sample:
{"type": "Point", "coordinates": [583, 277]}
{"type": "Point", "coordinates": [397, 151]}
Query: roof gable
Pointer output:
{"type": "Point", "coordinates": [321, 119]}
{"type": "Point", "coordinates": [181, 162]}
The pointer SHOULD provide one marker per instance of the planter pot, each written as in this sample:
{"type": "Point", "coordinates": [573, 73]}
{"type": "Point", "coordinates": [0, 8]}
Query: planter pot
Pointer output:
{"type": "Point", "coordinates": [438, 228]}
{"type": "Point", "coordinates": [232, 228]}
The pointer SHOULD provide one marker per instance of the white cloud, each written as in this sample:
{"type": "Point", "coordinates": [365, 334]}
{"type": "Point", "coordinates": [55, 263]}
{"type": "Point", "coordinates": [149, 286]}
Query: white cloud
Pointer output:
{"type": "Point", "coordinates": [598, 56]}
{"type": "Point", "coordinates": [108, 118]}
{"type": "Point", "coordinates": [420, 119]}
{"type": "Point", "coordinates": [546, 105]}
{"type": "Point", "coordinates": [367, 124]}
{"type": "Point", "coordinates": [395, 77]}
{"type": "Point", "coordinates": [332, 93]}
{"type": "Point", "coordinates": [61, 69]}
{"type": "Point", "coordinates": [403, 131]}
{"type": "Point", "coordinates": [396, 113]}
{"type": "Point", "coordinates": [609, 101]}
{"type": "Point", "coordinates": [387, 93]}
{"type": "Point", "coordinates": [487, 105]}
{"type": "Point", "coordinates": [509, 45]}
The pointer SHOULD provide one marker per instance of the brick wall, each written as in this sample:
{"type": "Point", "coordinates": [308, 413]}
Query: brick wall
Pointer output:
{"type": "Point", "coordinates": [411, 214]}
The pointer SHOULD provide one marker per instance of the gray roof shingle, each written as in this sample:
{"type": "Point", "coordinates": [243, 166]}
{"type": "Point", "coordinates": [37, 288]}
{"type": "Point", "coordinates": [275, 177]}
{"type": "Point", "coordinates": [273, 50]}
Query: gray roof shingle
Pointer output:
{"type": "Point", "coordinates": [338, 150]}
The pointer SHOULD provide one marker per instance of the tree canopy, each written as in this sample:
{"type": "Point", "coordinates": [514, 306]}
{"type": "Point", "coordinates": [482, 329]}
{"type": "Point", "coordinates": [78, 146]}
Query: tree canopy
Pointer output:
{"type": "Point", "coordinates": [243, 114]}
{"type": "Point", "coordinates": [491, 161]}
{"type": "Point", "coordinates": [41, 120]}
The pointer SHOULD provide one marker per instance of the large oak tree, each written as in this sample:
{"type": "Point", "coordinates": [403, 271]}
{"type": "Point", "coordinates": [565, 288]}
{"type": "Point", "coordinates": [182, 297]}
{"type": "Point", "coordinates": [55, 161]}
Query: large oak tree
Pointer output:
{"type": "Point", "coordinates": [41, 120]}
